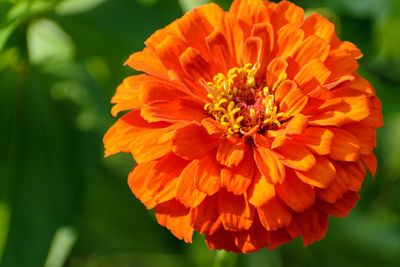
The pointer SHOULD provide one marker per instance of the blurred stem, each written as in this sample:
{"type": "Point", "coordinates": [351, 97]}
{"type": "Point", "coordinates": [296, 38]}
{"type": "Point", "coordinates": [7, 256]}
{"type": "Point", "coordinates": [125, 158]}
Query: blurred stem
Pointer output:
{"type": "Point", "coordinates": [225, 259]}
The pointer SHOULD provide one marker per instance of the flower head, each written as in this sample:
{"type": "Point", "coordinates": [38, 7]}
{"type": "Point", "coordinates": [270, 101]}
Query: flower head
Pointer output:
{"type": "Point", "coordinates": [249, 126]}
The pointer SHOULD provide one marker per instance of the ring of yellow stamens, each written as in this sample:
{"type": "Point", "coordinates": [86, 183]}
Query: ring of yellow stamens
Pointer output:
{"type": "Point", "coordinates": [225, 91]}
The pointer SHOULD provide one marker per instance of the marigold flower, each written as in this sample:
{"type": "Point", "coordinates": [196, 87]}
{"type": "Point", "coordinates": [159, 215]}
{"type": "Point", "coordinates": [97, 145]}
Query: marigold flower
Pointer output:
{"type": "Point", "coordinates": [250, 126]}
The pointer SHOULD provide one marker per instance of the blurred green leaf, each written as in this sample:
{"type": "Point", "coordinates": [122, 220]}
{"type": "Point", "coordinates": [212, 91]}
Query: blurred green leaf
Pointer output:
{"type": "Point", "coordinates": [190, 4]}
{"type": "Point", "coordinates": [48, 44]}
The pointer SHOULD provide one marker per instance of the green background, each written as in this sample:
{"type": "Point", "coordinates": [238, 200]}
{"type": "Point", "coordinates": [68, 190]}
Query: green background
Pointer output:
{"type": "Point", "coordinates": [63, 204]}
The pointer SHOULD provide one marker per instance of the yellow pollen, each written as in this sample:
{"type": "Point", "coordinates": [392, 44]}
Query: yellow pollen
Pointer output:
{"type": "Point", "coordinates": [240, 102]}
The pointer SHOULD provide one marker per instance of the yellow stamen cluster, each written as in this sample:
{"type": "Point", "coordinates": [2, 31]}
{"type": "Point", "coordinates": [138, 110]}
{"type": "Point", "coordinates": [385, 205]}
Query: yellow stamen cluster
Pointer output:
{"type": "Point", "coordinates": [226, 92]}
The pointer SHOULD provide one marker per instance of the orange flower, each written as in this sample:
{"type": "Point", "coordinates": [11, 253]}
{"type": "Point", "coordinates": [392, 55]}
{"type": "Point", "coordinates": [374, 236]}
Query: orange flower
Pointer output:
{"type": "Point", "coordinates": [250, 126]}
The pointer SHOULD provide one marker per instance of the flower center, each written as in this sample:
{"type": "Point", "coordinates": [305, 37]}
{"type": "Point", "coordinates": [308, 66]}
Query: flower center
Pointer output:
{"type": "Point", "coordinates": [242, 103]}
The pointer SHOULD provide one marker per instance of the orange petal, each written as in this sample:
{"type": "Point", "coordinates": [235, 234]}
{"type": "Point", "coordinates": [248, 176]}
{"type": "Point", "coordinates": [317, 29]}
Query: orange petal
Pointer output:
{"type": "Point", "coordinates": [345, 147]}
{"type": "Point", "coordinates": [336, 190]}
{"type": "Point", "coordinates": [260, 191]}
{"type": "Point", "coordinates": [195, 22]}
{"type": "Point", "coordinates": [238, 5]}
{"type": "Point", "coordinates": [275, 71]}
{"type": "Point", "coordinates": [297, 125]}
{"type": "Point", "coordinates": [208, 175]}
{"type": "Point", "coordinates": [158, 36]}
{"type": "Point", "coordinates": [279, 140]}
{"type": "Point", "coordinates": [164, 177]}
{"type": "Point", "coordinates": [265, 32]}
{"type": "Point", "coordinates": [364, 134]}
{"type": "Point", "coordinates": [160, 90]}
{"type": "Point", "coordinates": [274, 214]}
{"type": "Point", "coordinates": [375, 118]}
{"type": "Point", "coordinates": [253, 239]}
{"type": "Point", "coordinates": [196, 66]}
{"type": "Point", "coordinates": [186, 192]}
{"type": "Point", "coordinates": [231, 152]}
{"type": "Point", "coordinates": [251, 52]}
{"type": "Point", "coordinates": [269, 165]}
{"type": "Point", "coordinates": [344, 106]}
{"type": "Point", "coordinates": [296, 157]}
{"type": "Point", "coordinates": [175, 217]}
{"type": "Point", "coordinates": [342, 207]}
{"type": "Point", "coordinates": [229, 26]}
{"type": "Point", "coordinates": [340, 63]}
{"type": "Point", "coordinates": [137, 181]}
{"type": "Point", "coordinates": [218, 46]}
{"type": "Point", "coordinates": [178, 110]}
{"type": "Point", "coordinates": [311, 48]}
{"type": "Point", "coordinates": [127, 95]}
{"type": "Point", "coordinates": [192, 142]}
{"type": "Point", "coordinates": [311, 75]}
{"type": "Point", "coordinates": [317, 25]}
{"type": "Point", "coordinates": [293, 102]}
{"type": "Point", "coordinates": [287, 13]}
{"type": "Point", "coordinates": [253, 12]}
{"type": "Point", "coordinates": [235, 211]}
{"type": "Point", "coordinates": [213, 127]}
{"type": "Point", "coordinates": [238, 179]}
{"type": "Point", "coordinates": [288, 40]}
{"type": "Point", "coordinates": [262, 140]}
{"type": "Point", "coordinates": [169, 51]}
{"type": "Point", "coordinates": [352, 48]}
{"type": "Point", "coordinates": [296, 194]}
{"type": "Point", "coordinates": [132, 134]}
{"type": "Point", "coordinates": [321, 175]}
{"type": "Point", "coordinates": [317, 139]}
{"type": "Point", "coordinates": [148, 62]}
{"type": "Point", "coordinates": [205, 218]}
{"type": "Point", "coordinates": [211, 12]}
{"type": "Point", "coordinates": [284, 89]}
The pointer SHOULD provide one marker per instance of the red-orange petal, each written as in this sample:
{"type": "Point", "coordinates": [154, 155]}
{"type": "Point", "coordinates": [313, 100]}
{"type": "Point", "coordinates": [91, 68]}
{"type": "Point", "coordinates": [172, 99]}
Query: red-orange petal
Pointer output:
{"type": "Point", "coordinates": [289, 39]}
{"type": "Point", "coordinates": [317, 25]}
{"type": "Point", "coordinates": [321, 175]}
{"type": "Point", "coordinates": [296, 194]}
{"type": "Point", "coordinates": [296, 157]}
{"type": "Point", "coordinates": [148, 62]}
{"type": "Point", "coordinates": [276, 69]}
{"type": "Point", "coordinates": [297, 125]}
{"type": "Point", "coordinates": [164, 177]}
{"type": "Point", "coordinates": [137, 181]}
{"type": "Point", "coordinates": [340, 208]}
{"type": "Point", "coordinates": [318, 139]}
{"type": "Point", "coordinates": [274, 214]}
{"type": "Point", "coordinates": [345, 147]}
{"type": "Point", "coordinates": [286, 13]}
{"type": "Point", "coordinates": [191, 141]}
{"type": "Point", "coordinates": [230, 152]}
{"type": "Point", "coordinates": [251, 52]}
{"type": "Point", "coordinates": [176, 217]}
{"type": "Point", "coordinates": [269, 165]}
{"type": "Point", "coordinates": [132, 134]}
{"type": "Point", "coordinates": [222, 239]}
{"type": "Point", "coordinates": [260, 191]}
{"type": "Point", "coordinates": [208, 175]}
{"type": "Point", "coordinates": [235, 211]}
{"type": "Point", "coordinates": [186, 191]}
{"type": "Point", "coordinates": [205, 218]}
{"type": "Point", "coordinates": [238, 179]}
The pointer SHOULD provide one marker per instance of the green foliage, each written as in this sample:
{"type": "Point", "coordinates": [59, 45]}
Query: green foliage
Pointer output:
{"type": "Point", "coordinates": [63, 204]}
